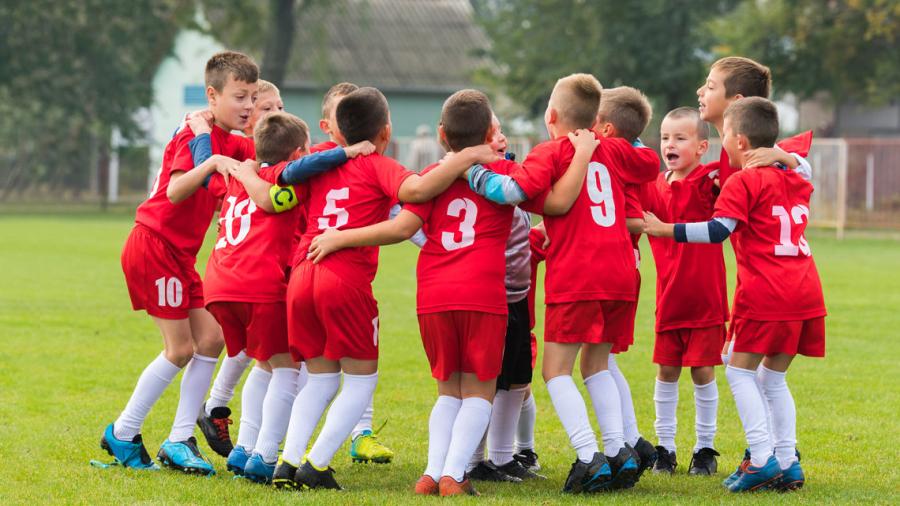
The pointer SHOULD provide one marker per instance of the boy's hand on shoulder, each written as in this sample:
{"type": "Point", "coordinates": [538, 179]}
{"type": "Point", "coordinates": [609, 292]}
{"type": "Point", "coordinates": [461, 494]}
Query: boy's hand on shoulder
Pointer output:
{"type": "Point", "coordinates": [483, 154]}
{"type": "Point", "coordinates": [766, 157]}
{"type": "Point", "coordinates": [359, 149]}
{"type": "Point", "coordinates": [200, 122]}
{"type": "Point", "coordinates": [324, 244]}
{"type": "Point", "coordinates": [584, 140]}
{"type": "Point", "coordinates": [242, 170]}
{"type": "Point", "coordinates": [653, 225]}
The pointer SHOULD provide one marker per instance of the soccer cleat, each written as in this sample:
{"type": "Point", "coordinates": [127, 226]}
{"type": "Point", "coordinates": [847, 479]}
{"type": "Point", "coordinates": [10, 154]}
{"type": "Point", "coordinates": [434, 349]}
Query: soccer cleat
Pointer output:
{"type": "Point", "coordinates": [590, 477]}
{"type": "Point", "coordinates": [515, 469]}
{"type": "Point", "coordinates": [529, 459]}
{"type": "Point", "coordinates": [792, 478]}
{"type": "Point", "coordinates": [237, 459]}
{"type": "Point", "coordinates": [624, 467]}
{"type": "Point", "coordinates": [366, 448]}
{"type": "Point", "coordinates": [447, 486]}
{"type": "Point", "coordinates": [666, 462]}
{"type": "Point", "coordinates": [487, 471]}
{"type": "Point", "coordinates": [647, 454]}
{"type": "Point", "coordinates": [184, 456]}
{"type": "Point", "coordinates": [283, 477]}
{"type": "Point", "coordinates": [427, 486]}
{"type": "Point", "coordinates": [258, 470]}
{"type": "Point", "coordinates": [737, 472]}
{"type": "Point", "coordinates": [215, 429]}
{"type": "Point", "coordinates": [308, 477]}
{"type": "Point", "coordinates": [758, 478]}
{"type": "Point", "coordinates": [703, 462]}
{"type": "Point", "coordinates": [131, 454]}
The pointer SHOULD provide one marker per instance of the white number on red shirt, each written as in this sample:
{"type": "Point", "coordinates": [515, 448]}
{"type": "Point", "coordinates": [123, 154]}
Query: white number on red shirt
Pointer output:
{"type": "Point", "coordinates": [466, 226]}
{"type": "Point", "coordinates": [600, 191]}
{"type": "Point", "coordinates": [169, 292]}
{"type": "Point", "coordinates": [331, 209]}
{"type": "Point", "coordinates": [236, 210]}
{"type": "Point", "coordinates": [786, 248]}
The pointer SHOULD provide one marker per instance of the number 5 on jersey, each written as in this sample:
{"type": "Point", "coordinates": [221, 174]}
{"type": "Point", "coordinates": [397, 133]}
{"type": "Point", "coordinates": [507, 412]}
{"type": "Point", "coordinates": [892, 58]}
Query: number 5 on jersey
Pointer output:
{"type": "Point", "coordinates": [341, 216]}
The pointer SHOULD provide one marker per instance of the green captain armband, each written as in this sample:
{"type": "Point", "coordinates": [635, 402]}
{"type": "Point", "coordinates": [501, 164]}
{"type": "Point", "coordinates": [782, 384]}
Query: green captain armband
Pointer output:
{"type": "Point", "coordinates": [283, 198]}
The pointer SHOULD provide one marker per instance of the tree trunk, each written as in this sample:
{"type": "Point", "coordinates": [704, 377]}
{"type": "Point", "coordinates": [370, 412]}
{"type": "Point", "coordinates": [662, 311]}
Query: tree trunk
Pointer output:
{"type": "Point", "coordinates": [279, 42]}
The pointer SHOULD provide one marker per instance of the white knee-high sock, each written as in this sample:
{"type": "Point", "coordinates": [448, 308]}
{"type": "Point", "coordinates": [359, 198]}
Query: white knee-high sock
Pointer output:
{"type": "Point", "coordinates": [608, 410]}
{"type": "Point", "coordinates": [706, 404]}
{"type": "Point", "coordinates": [343, 414]}
{"type": "Point", "coordinates": [572, 412]}
{"type": "Point", "coordinates": [752, 410]}
{"type": "Point", "coordinates": [149, 388]}
{"type": "Point", "coordinates": [229, 375]}
{"type": "Point", "coordinates": [527, 419]}
{"type": "Point", "coordinates": [665, 396]}
{"type": "Point", "coordinates": [440, 431]}
{"type": "Point", "coordinates": [478, 455]}
{"type": "Point", "coordinates": [502, 429]}
{"type": "Point", "coordinates": [302, 376]}
{"type": "Point", "coordinates": [194, 385]}
{"type": "Point", "coordinates": [365, 421]}
{"type": "Point", "coordinates": [468, 429]}
{"type": "Point", "coordinates": [276, 412]}
{"type": "Point", "coordinates": [255, 388]}
{"type": "Point", "coordinates": [308, 408]}
{"type": "Point", "coordinates": [770, 423]}
{"type": "Point", "coordinates": [629, 419]}
{"type": "Point", "coordinates": [784, 415]}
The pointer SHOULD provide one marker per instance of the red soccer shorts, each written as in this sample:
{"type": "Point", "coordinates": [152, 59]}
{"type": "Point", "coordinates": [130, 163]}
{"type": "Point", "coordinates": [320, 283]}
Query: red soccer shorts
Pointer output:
{"type": "Point", "coordinates": [534, 350]}
{"type": "Point", "coordinates": [328, 317]}
{"type": "Point", "coordinates": [797, 337]}
{"type": "Point", "coordinates": [464, 341]}
{"type": "Point", "coordinates": [623, 346]}
{"type": "Point", "coordinates": [160, 281]}
{"type": "Point", "coordinates": [591, 322]}
{"type": "Point", "coordinates": [258, 327]}
{"type": "Point", "coordinates": [697, 347]}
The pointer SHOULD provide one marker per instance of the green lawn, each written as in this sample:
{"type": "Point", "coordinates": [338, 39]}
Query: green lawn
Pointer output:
{"type": "Point", "coordinates": [73, 349]}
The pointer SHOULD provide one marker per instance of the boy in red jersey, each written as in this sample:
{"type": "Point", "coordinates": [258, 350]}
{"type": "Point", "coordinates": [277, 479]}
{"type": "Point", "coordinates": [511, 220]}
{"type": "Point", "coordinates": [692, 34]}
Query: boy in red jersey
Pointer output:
{"type": "Point", "coordinates": [590, 280]}
{"type": "Point", "coordinates": [268, 99]}
{"type": "Point", "coordinates": [332, 315]}
{"type": "Point", "coordinates": [158, 262]}
{"type": "Point", "coordinates": [779, 310]}
{"type": "Point", "coordinates": [691, 300]}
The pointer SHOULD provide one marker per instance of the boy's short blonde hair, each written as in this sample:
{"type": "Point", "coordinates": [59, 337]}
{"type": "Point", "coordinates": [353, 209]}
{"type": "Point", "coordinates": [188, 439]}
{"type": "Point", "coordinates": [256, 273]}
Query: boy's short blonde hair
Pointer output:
{"type": "Point", "coordinates": [576, 100]}
{"type": "Point", "coordinates": [694, 114]}
{"type": "Point", "coordinates": [238, 65]}
{"type": "Point", "coordinates": [755, 118]}
{"type": "Point", "coordinates": [744, 76]}
{"type": "Point", "coordinates": [627, 109]}
{"type": "Point", "coordinates": [263, 86]}
{"type": "Point", "coordinates": [277, 135]}
{"type": "Point", "coordinates": [338, 90]}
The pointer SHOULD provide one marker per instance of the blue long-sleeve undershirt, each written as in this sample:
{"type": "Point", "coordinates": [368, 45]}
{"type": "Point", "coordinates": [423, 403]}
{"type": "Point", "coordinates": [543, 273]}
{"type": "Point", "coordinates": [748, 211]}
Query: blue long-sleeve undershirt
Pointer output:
{"type": "Point", "coordinates": [201, 150]}
{"type": "Point", "coordinates": [304, 168]}
{"type": "Point", "coordinates": [714, 231]}
{"type": "Point", "coordinates": [495, 187]}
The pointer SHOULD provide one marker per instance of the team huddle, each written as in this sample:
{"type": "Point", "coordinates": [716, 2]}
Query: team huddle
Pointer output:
{"type": "Point", "coordinates": [289, 281]}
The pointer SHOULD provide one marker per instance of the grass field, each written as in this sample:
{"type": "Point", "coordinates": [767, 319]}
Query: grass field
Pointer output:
{"type": "Point", "coordinates": [73, 349]}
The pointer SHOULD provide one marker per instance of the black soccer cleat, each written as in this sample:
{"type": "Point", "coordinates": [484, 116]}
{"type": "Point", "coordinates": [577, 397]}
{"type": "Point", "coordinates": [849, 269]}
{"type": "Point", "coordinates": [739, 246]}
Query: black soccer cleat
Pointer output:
{"type": "Point", "coordinates": [703, 462]}
{"type": "Point", "coordinates": [283, 478]}
{"type": "Point", "coordinates": [647, 454]}
{"type": "Point", "coordinates": [487, 471]}
{"type": "Point", "coordinates": [215, 429]}
{"type": "Point", "coordinates": [591, 477]}
{"type": "Point", "coordinates": [308, 477]}
{"type": "Point", "coordinates": [529, 459]}
{"type": "Point", "coordinates": [624, 467]}
{"type": "Point", "coordinates": [515, 469]}
{"type": "Point", "coordinates": [665, 461]}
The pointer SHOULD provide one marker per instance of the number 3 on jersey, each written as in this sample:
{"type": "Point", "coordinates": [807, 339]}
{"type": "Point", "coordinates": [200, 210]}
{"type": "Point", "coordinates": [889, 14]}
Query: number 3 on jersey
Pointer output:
{"type": "Point", "coordinates": [341, 216]}
{"type": "Point", "coordinates": [600, 191]}
{"type": "Point", "coordinates": [469, 212]}
{"type": "Point", "coordinates": [786, 248]}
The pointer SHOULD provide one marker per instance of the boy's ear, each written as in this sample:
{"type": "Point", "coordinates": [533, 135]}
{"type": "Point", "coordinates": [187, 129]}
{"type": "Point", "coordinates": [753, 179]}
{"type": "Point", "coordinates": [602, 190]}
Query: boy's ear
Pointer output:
{"type": "Point", "coordinates": [324, 127]}
{"type": "Point", "coordinates": [606, 129]}
{"type": "Point", "coordinates": [552, 116]}
{"type": "Point", "coordinates": [704, 147]}
{"type": "Point", "coordinates": [743, 143]}
{"type": "Point", "coordinates": [211, 95]}
{"type": "Point", "coordinates": [385, 134]}
{"type": "Point", "coordinates": [442, 137]}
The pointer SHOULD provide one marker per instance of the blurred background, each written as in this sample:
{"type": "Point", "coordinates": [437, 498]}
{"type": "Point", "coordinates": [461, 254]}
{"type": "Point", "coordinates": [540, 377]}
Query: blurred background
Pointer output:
{"type": "Point", "coordinates": [90, 91]}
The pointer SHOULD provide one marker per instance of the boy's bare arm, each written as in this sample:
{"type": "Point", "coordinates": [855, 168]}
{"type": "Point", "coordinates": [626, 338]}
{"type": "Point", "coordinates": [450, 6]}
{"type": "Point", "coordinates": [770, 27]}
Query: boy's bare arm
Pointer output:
{"type": "Point", "coordinates": [183, 184]}
{"type": "Point", "coordinates": [416, 189]}
{"type": "Point", "coordinates": [386, 232]}
{"type": "Point", "coordinates": [565, 191]}
{"type": "Point", "coordinates": [258, 189]}
{"type": "Point", "coordinates": [634, 225]}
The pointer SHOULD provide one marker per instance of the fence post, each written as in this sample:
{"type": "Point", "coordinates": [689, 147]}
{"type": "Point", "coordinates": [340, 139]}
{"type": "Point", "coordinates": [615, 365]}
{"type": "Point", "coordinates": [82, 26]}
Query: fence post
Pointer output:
{"type": "Point", "coordinates": [842, 189]}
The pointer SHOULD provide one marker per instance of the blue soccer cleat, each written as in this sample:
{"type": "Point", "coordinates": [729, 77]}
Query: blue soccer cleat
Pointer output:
{"type": "Point", "coordinates": [758, 478]}
{"type": "Point", "coordinates": [237, 459]}
{"type": "Point", "coordinates": [258, 470]}
{"type": "Point", "coordinates": [624, 467]}
{"type": "Point", "coordinates": [184, 456]}
{"type": "Point", "coordinates": [588, 477]}
{"type": "Point", "coordinates": [737, 472]}
{"type": "Point", "coordinates": [792, 478]}
{"type": "Point", "coordinates": [127, 453]}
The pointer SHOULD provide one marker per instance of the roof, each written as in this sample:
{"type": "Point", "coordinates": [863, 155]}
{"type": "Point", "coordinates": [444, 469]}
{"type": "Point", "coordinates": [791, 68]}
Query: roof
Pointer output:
{"type": "Point", "coordinates": [395, 45]}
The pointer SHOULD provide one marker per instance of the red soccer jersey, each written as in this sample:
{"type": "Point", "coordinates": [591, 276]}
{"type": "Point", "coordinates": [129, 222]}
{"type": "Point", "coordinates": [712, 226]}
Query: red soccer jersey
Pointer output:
{"type": "Point", "coordinates": [590, 255]}
{"type": "Point", "coordinates": [778, 277]}
{"type": "Point", "coordinates": [462, 266]}
{"type": "Point", "coordinates": [690, 278]}
{"type": "Point", "coordinates": [633, 209]}
{"type": "Point", "coordinates": [247, 262]}
{"type": "Point", "coordinates": [184, 225]}
{"type": "Point", "coordinates": [356, 194]}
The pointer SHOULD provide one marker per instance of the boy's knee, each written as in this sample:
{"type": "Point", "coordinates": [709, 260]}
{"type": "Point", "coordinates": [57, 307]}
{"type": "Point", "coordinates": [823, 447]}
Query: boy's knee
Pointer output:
{"type": "Point", "coordinates": [209, 343]}
{"type": "Point", "coordinates": [180, 355]}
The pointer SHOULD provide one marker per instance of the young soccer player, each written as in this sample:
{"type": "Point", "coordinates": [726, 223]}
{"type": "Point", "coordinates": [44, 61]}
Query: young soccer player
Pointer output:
{"type": "Point", "coordinates": [332, 315]}
{"type": "Point", "coordinates": [268, 99]}
{"type": "Point", "coordinates": [779, 310]}
{"type": "Point", "coordinates": [583, 306]}
{"type": "Point", "coordinates": [691, 300]}
{"type": "Point", "coordinates": [158, 262]}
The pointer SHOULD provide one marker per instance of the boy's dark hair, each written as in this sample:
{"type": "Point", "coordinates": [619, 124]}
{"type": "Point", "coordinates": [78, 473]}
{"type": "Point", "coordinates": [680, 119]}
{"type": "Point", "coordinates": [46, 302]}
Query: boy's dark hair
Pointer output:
{"type": "Point", "coordinates": [627, 109]}
{"type": "Point", "coordinates": [694, 114]}
{"type": "Point", "coordinates": [578, 99]}
{"type": "Point", "coordinates": [466, 118]}
{"type": "Point", "coordinates": [225, 63]}
{"type": "Point", "coordinates": [362, 114]}
{"type": "Point", "coordinates": [277, 135]}
{"type": "Point", "coordinates": [338, 90]}
{"type": "Point", "coordinates": [744, 76]}
{"type": "Point", "coordinates": [756, 118]}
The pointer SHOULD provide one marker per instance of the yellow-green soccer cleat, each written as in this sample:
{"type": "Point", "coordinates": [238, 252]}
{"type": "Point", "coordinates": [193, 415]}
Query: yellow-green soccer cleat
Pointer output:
{"type": "Point", "coordinates": [366, 448]}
